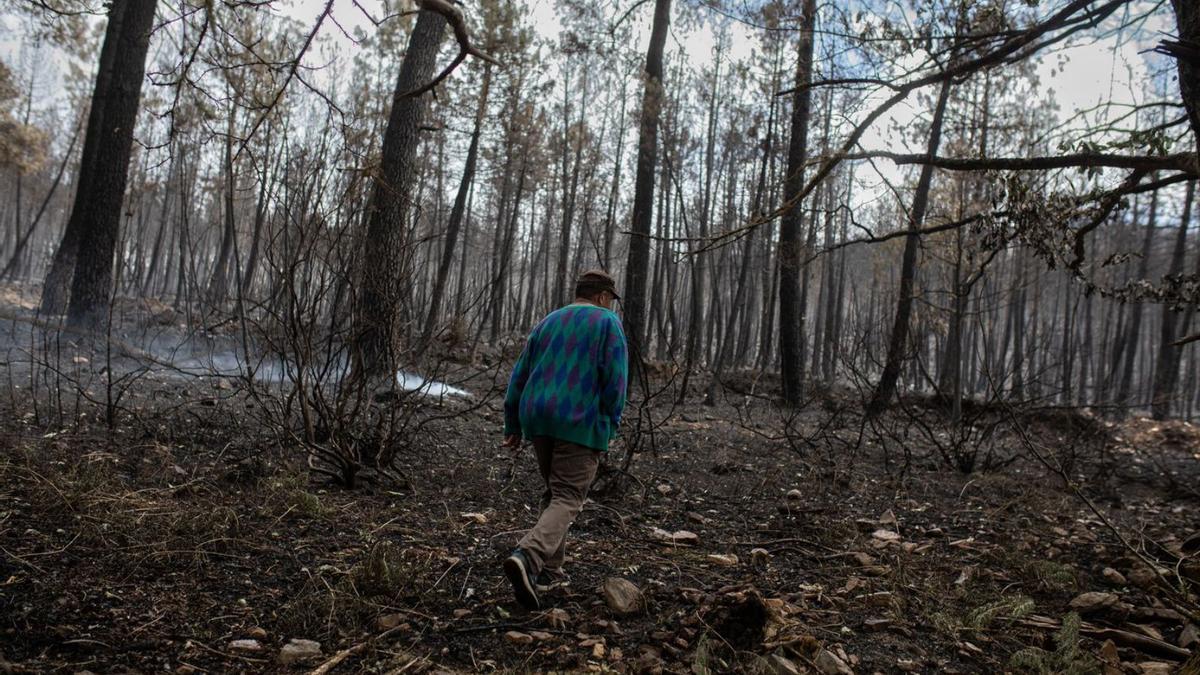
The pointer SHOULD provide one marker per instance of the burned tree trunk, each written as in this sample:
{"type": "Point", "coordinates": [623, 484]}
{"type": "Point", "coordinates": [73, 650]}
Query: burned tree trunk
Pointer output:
{"type": "Point", "coordinates": [790, 336]}
{"type": "Point", "coordinates": [643, 196]}
{"type": "Point", "coordinates": [379, 321]}
{"type": "Point", "coordinates": [98, 214]}
{"type": "Point", "coordinates": [58, 279]}
{"type": "Point", "coordinates": [457, 211]}
{"type": "Point", "coordinates": [1166, 374]}
{"type": "Point", "coordinates": [898, 343]}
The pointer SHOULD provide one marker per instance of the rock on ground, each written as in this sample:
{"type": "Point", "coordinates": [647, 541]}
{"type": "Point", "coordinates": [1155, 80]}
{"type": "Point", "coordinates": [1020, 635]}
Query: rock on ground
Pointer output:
{"type": "Point", "coordinates": [622, 597]}
{"type": "Point", "coordinates": [297, 650]}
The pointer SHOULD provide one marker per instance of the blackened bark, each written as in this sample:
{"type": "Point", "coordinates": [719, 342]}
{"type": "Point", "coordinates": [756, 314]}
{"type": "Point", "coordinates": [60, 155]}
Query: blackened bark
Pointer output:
{"type": "Point", "coordinates": [634, 293]}
{"type": "Point", "coordinates": [898, 344]}
{"type": "Point", "coordinates": [57, 284]}
{"type": "Point", "coordinates": [379, 321]}
{"type": "Point", "coordinates": [1187, 20]}
{"type": "Point", "coordinates": [1134, 327]}
{"type": "Point", "coordinates": [457, 211]}
{"type": "Point", "coordinates": [99, 216]}
{"type": "Point", "coordinates": [1166, 374]}
{"type": "Point", "coordinates": [218, 285]}
{"type": "Point", "coordinates": [790, 336]}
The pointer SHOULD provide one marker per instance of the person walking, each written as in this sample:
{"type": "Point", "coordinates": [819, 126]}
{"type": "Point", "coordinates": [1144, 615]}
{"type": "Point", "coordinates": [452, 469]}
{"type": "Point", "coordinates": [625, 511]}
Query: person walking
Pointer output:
{"type": "Point", "coordinates": [566, 395]}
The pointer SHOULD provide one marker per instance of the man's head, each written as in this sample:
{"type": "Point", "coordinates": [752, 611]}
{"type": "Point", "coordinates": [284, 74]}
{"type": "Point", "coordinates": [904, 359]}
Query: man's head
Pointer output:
{"type": "Point", "coordinates": [597, 287]}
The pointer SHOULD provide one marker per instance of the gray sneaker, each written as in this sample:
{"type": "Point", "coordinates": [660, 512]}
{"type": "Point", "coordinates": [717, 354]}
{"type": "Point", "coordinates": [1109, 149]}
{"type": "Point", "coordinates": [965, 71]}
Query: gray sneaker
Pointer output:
{"type": "Point", "coordinates": [517, 569]}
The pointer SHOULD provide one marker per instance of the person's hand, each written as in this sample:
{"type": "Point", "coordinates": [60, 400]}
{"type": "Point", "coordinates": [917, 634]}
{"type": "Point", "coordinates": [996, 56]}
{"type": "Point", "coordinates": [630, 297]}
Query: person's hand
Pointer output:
{"type": "Point", "coordinates": [511, 441]}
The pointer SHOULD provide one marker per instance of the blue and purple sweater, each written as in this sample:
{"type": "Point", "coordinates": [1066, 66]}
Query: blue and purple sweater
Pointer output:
{"type": "Point", "coordinates": [570, 380]}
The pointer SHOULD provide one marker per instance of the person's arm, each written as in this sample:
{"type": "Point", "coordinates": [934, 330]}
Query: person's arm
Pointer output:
{"type": "Point", "coordinates": [614, 372]}
{"type": "Point", "coordinates": [516, 386]}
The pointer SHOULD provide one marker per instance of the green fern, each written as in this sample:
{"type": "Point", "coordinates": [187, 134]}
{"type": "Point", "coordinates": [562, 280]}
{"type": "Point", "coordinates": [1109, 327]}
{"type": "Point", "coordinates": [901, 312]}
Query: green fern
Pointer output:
{"type": "Point", "coordinates": [1014, 607]}
{"type": "Point", "coordinates": [1054, 576]}
{"type": "Point", "coordinates": [1066, 659]}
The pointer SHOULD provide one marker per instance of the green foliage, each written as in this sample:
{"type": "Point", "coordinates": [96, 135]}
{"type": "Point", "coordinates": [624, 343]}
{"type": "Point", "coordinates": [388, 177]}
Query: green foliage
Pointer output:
{"type": "Point", "coordinates": [385, 571]}
{"type": "Point", "coordinates": [1054, 576]}
{"type": "Point", "coordinates": [1066, 659]}
{"type": "Point", "coordinates": [1013, 607]}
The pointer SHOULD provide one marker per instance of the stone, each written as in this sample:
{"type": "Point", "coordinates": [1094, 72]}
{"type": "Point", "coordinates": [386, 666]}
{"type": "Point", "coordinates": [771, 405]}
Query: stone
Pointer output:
{"type": "Point", "coordinates": [697, 518]}
{"type": "Point", "coordinates": [663, 489]}
{"type": "Point", "coordinates": [477, 518]}
{"type": "Point", "coordinates": [389, 621]}
{"type": "Point", "coordinates": [886, 536]}
{"type": "Point", "coordinates": [678, 538]}
{"type": "Point", "coordinates": [1114, 577]}
{"type": "Point", "coordinates": [1156, 668]}
{"type": "Point", "coordinates": [723, 559]}
{"type": "Point", "coordinates": [759, 557]}
{"type": "Point", "coordinates": [558, 618]}
{"type": "Point", "coordinates": [830, 664]}
{"type": "Point", "coordinates": [518, 638]}
{"type": "Point", "coordinates": [245, 646]}
{"type": "Point", "coordinates": [298, 651]}
{"type": "Point", "coordinates": [794, 494]}
{"type": "Point", "coordinates": [462, 613]}
{"type": "Point", "coordinates": [257, 633]}
{"type": "Point", "coordinates": [1109, 653]}
{"type": "Point", "coordinates": [621, 596]}
{"type": "Point", "coordinates": [1093, 602]}
{"type": "Point", "coordinates": [598, 650]}
{"type": "Point", "coordinates": [540, 635]}
{"type": "Point", "coordinates": [1189, 636]}
{"type": "Point", "coordinates": [908, 665]}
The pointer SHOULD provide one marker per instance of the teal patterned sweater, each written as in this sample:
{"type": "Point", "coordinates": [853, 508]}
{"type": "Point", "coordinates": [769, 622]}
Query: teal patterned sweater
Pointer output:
{"type": "Point", "coordinates": [570, 380]}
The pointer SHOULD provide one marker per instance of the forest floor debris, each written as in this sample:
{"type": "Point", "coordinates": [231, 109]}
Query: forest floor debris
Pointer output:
{"type": "Point", "coordinates": [186, 537]}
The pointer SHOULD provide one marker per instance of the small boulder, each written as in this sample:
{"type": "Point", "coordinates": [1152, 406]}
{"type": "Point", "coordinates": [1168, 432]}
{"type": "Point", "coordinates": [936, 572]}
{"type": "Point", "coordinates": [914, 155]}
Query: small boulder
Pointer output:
{"type": "Point", "coordinates": [1114, 577]}
{"type": "Point", "coordinates": [1189, 636]}
{"type": "Point", "coordinates": [678, 537]}
{"type": "Point", "coordinates": [885, 536]}
{"type": "Point", "coordinates": [1093, 602]}
{"type": "Point", "coordinates": [389, 621]}
{"type": "Point", "coordinates": [518, 638]}
{"type": "Point", "coordinates": [830, 664]}
{"type": "Point", "coordinates": [759, 557]}
{"type": "Point", "coordinates": [622, 597]}
{"type": "Point", "coordinates": [245, 646]}
{"type": "Point", "coordinates": [298, 651]}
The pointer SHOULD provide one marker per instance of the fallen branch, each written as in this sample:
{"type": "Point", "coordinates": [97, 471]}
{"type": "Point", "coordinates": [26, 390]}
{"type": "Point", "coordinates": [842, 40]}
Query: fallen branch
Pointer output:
{"type": "Point", "coordinates": [336, 659]}
{"type": "Point", "coordinates": [1142, 643]}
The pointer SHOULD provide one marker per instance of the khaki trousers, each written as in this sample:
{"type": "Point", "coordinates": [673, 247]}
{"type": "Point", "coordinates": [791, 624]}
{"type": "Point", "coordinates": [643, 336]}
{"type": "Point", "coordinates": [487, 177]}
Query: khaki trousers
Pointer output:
{"type": "Point", "coordinates": [568, 470]}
